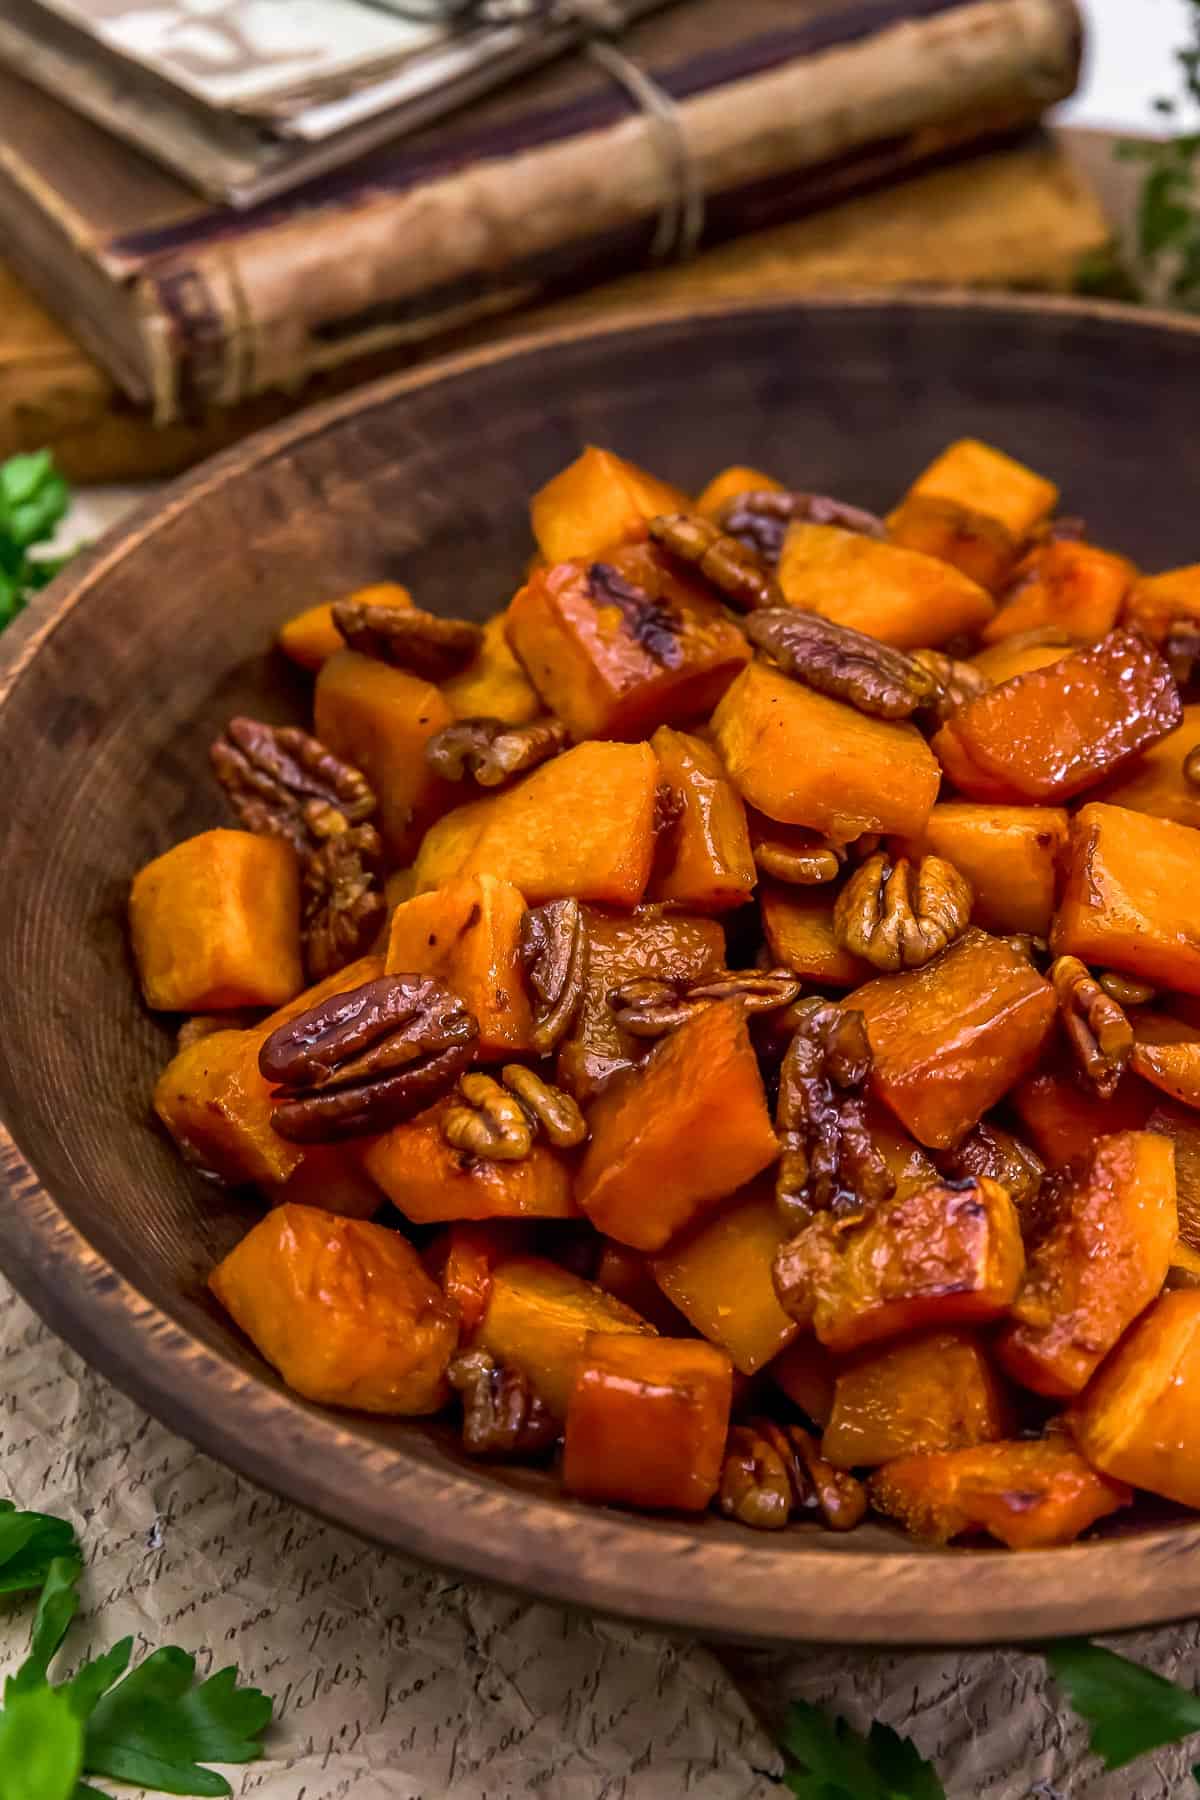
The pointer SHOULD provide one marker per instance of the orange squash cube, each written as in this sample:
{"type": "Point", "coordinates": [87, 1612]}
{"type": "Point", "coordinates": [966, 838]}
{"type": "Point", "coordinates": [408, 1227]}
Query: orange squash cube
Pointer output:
{"type": "Point", "coordinates": [1063, 1117]}
{"type": "Point", "coordinates": [719, 1277]}
{"type": "Point", "coordinates": [461, 1260]}
{"type": "Point", "coordinates": [468, 934]}
{"type": "Point", "coordinates": [1158, 601]}
{"type": "Point", "coordinates": [1166, 1053]}
{"type": "Point", "coordinates": [978, 547]}
{"type": "Point", "coordinates": [310, 638]}
{"type": "Point", "coordinates": [678, 1134]}
{"type": "Point", "coordinates": [1155, 782]}
{"type": "Point", "coordinates": [1009, 854]}
{"type": "Point", "coordinates": [647, 1422]}
{"type": "Point", "coordinates": [1032, 1496]}
{"type": "Point", "coordinates": [494, 686]}
{"type": "Point", "coordinates": [538, 1318]}
{"type": "Point", "coordinates": [704, 861]}
{"type": "Point", "coordinates": [949, 1040]}
{"type": "Point", "coordinates": [343, 1310]}
{"type": "Point", "coordinates": [901, 596]}
{"type": "Point", "coordinates": [983, 480]}
{"type": "Point", "coordinates": [942, 1255]}
{"type": "Point", "coordinates": [215, 923]}
{"type": "Point", "coordinates": [1182, 1126]}
{"type": "Point", "coordinates": [1024, 652]}
{"type": "Point", "coordinates": [596, 502]}
{"type": "Point", "coordinates": [628, 1275]}
{"type": "Point", "coordinates": [805, 759]}
{"type": "Point", "coordinates": [807, 1373]}
{"type": "Point", "coordinates": [937, 1391]}
{"type": "Point", "coordinates": [1129, 898]}
{"type": "Point", "coordinates": [798, 925]}
{"type": "Point", "coordinates": [330, 1177]}
{"type": "Point", "coordinates": [380, 719]}
{"type": "Point", "coordinates": [1076, 587]}
{"type": "Point", "coordinates": [1102, 1258]}
{"type": "Point", "coordinates": [431, 1182]}
{"type": "Point", "coordinates": [1138, 1421]}
{"type": "Point", "coordinates": [729, 483]}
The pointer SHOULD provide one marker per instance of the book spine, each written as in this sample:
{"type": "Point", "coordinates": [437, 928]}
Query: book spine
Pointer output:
{"type": "Point", "coordinates": [270, 307]}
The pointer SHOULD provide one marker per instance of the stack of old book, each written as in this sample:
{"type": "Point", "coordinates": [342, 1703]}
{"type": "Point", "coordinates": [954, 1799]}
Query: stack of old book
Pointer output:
{"type": "Point", "coordinates": [212, 209]}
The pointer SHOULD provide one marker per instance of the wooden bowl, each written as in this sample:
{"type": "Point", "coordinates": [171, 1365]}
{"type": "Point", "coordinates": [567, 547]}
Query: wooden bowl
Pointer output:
{"type": "Point", "coordinates": [112, 689]}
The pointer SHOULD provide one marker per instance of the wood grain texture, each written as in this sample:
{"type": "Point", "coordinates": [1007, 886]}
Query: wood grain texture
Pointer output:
{"type": "Point", "coordinates": [111, 691]}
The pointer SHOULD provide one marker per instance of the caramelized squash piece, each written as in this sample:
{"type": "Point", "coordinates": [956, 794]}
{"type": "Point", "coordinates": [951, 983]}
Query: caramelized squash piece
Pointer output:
{"type": "Point", "coordinates": [1158, 601]}
{"type": "Point", "coordinates": [1102, 1258]}
{"type": "Point", "coordinates": [310, 638]}
{"type": "Point", "coordinates": [468, 934]}
{"type": "Point", "coordinates": [933, 1392]}
{"type": "Point", "coordinates": [1166, 1053]}
{"type": "Point", "coordinates": [1009, 854]}
{"type": "Point", "coordinates": [1074, 586]}
{"type": "Point", "coordinates": [975, 476]}
{"type": "Point", "coordinates": [729, 483]}
{"type": "Point", "coordinates": [678, 1134]}
{"type": "Point", "coordinates": [703, 860]}
{"type": "Point", "coordinates": [978, 547]}
{"type": "Point", "coordinates": [380, 719]}
{"type": "Point", "coordinates": [901, 596]}
{"type": "Point", "coordinates": [1129, 899]}
{"type": "Point", "coordinates": [805, 759]}
{"type": "Point", "coordinates": [598, 501]}
{"type": "Point", "coordinates": [1138, 1420]}
{"type": "Point", "coordinates": [539, 1316]}
{"type": "Point", "coordinates": [431, 1182]}
{"type": "Point", "coordinates": [1182, 1126]}
{"type": "Point", "coordinates": [1024, 652]}
{"type": "Point", "coordinates": [461, 1260]}
{"type": "Point", "coordinates": [582, 825]}
{"type": "Point", "coordinates": [215, 923]}
{"type": "Point", "coordinates": [619, 647]}
{"type": "Point", "coordinates": [330, 1177]}
{"type": "Point", "coordinates": [1049, 735]}
{"type": "Point", "coordinates": [647, 1422]}
{"type": "Point", "coordinates": [947, 1254]}
{"type": "Point", "coordinates": [719, 1276]}
{"type": "Point", "coordinates": [628, 1275]}
{"type": "Point", "coordinates": [1155, 782]}
{"type": "Point", "coordinates": [949, 1040]}
{"type": "Point", "coordinates": [807, 1373]}
{"type": "Point", "coordinates": [343, 1310]}
{"type": "Point", "coordinates": [798, 925]}
{"type": "Point", "coordinates": [494, 686]}
{"type": "Point", "coordinates": [1032, 1496]}
{"type": "Point", "coordinates": [1063, 1116]}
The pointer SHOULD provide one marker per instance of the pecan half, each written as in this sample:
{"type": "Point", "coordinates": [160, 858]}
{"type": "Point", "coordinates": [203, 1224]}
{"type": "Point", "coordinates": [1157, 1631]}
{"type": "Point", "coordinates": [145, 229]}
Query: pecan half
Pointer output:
{"type": "Point", "coordinates": [367, 1059]}
{"type": "Point", "coordinates": [1124, 989]}
{"type": "Point", "coordinates": [281, 782]}
{"type": "Point", "coordinates": [491, 752]}
{"type": "Point", "coordinates": [650, 1008]}
{"type": "Point", "coordinates": [829, 1160]}
{"type": "Point", "coordinates": [898, 917]}
{"type": "Point", "coordinates": [760, 518]}
{"type": "Point", "coordinates": [553, 951]}
{"type": "Point", "coordinates": [957, 682]}
{"type": "Point", "coordinates": [773, 1473]}
{"type": "Point", "coordinates": [500, 1119]}
{"type": "Point", "coordinates": [555, 1115]}
{"type": "Point", "coordinates": [738, 573]}
{"type": "Point", "coordinates": [1181, 649]}
{"type": "Point", "coordinates": [650, 622]}
{"type": "Point", "coordinates": [502, 1413]}
{"type": "Point", "coordinates": [791, 854]}
{"type": "Point", "coordinates": [989, 1150]}
{"type": "Point", "coordinates": [408, 638]}
{"type": "Point", "coordinates": [342, 900]}
{"type": "Point", "coordinates": [1100, 1034]}
{"type": "Point", "coordinates": [846, 664]}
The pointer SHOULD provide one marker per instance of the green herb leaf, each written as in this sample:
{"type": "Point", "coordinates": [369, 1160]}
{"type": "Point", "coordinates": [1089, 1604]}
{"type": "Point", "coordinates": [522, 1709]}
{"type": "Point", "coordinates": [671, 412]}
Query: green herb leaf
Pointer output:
{"type": "Point", "coordinates": [29, 1543]}
{"type": "Point", "coordinates": [156, 1727]}
{"type": "Point", "coordinates": [1129, 1709]}
{"type": "Point", "coordinates": [832, 1761]}
{"type": "Point", "coordinates": [41, 1747]}
{"type": "Point", "coordinates": [33, 500]}
{"type": "Point", "coordinates": [89, 1684]}
{"type": "Point", "coordinates": [56, 1608]}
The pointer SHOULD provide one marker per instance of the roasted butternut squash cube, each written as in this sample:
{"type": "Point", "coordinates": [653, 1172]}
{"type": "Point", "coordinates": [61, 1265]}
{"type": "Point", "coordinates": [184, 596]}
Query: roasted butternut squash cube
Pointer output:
{"type": "Point", "coordinates": [947, 1254]}
{"type": "Point", "coordinates": [581, 826]}
{"type": "Point", "coordinates": [1101, 1259]}
{"type": "Point", "coordinates": [949, 1040]}
{"type": "Point", "coordinates": [729, 483]}
{"type": "Point", "coordinates": [431, 1182]}
{"type": "Point", "coordinates": [719, 1276]}
{"type": "Point", "coordinates": [937, 1391]}
{"type": "Point", "coordinates": [984, 480]}
{"type": "Point", "coordinates": [704, 860]}
{"type": "Point", "coordinates": [343, 1310]}
{"type": "Point", "coordinates": [1074, 586]}
{"type": "Point", "coordinates": [1024, 652]}
{"type": "Point", "coordinates": [901, 596]}
{"type": "Point", "coordinates": [461, 1260]}
{"type": "Point", "coordinates": [330, 1177]}
{"type": "Point", "coordinates": [1182, 1126]}
{"type": "Point", "coordinates": [647, 1422]}
{"type": "Point", "coordinates": [1155, 781]}
{"type": "Point", "coordinates": [1032, 1496]}
{"type": "Point", "coordinates": [380, 719]}
{"type": "Point", "coordinates": [1138, 1420]}
{"type": "Point", "coordinates": [1166, 1053]}
{"type": "Point", "coordinates": [468, 934]}
{"type": "Point", "coordinates": [628, 1275]}
{"type": "Point", "coordinates": [1157, 602]}
{"type": "Point", "coordinates": [1049, 735]}
{"type": "Point", "coordinates": [215, 923]}
{"type": "Point", "coordinates": [494, 686]}
{"type": "Point", "coordinates": [1009, 854]}
{"type": "Point", "coordinates": [539, 1316]}
{"type": "Point", "coordinates": [1129, 898]}
{"type": "Point", "coordinates": [798, 925]}
{"type": "Point", "coordinates": [596, 502]}
{"type": "Point", "coordinates": [673, 1137]}
{"type": "Point", "coordinates": [978, 547]}
{"type": "Point", "coordinates": [805, 759]}
{"type": "Point", "coordinates": [310, 638]}
{"type": "Point", "coordinates": [1063, 1117]}
{"type": "Point", "coordinates": [807, 1373]}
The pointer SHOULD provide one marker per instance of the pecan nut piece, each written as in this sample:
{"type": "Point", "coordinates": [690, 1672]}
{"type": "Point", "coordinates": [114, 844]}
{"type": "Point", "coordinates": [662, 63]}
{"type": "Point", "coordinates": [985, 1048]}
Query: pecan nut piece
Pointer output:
{"type": "Point", "coordinates": [420, 642]}
{"type": "Point", "coordinates": [957, 682]}
{"type": "Point", "coordinates": [368, 1059]}
{"type": "Point", "coordinates": [342, 900]}
{"type": "Point", "coordinates": [500, 1119]}
{"type": "Point", "coordinates": [773, 1473]}
{"type": "Point", "coordinates": [897, 917]}
{"type": "Point", "coordinates": [760, 518]}
{"type": "Point", "coordinates": [738, 573]}
{"type": "Point", "coordinates": [281, 782]}
{"type": "Point", "coordinates": [793, 855]}
{"type": "Point", "coordinates": [503, 1415]}
{"type": "Point", "coordinates": [650, 621]}
{"type": "Point", "coordinates": [553, 951]}
{"type": "Point", "coordinates": [990, 1150]}
{"type": "Point", "coordinates": [848, 665]}
{"type": "Point", "coordinates": [1124, 989]}
{"type": "Point", "coordinates": [649, 1008]}
{"type": "Point", "coordinates": [1181, 650]}
{"type": "Point", "coordinates": [1100, 1034]}
{"type": "Point", "coordinates": [491, 752]}
{"type": "Point", "coordinates": [554, 1114]}
{"type": "Point", "coordinates": [829, 1160]}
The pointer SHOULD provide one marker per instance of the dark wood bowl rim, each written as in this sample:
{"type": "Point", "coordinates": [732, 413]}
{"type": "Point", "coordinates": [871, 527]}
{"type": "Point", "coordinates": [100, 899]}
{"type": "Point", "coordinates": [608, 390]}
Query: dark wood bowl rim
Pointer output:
{"type": "Point", "coordinates": [727, 1584]}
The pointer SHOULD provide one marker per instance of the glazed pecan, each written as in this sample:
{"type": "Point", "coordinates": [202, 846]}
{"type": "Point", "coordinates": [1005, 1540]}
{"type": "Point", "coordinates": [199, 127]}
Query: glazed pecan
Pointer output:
{"type": "Point", "coordinates": [420, 642]}
{"type": "Point", "coordinates": [1191, 767]}
{"type": "Point", "coordinates": [760, 518]}
{"type": "Point", "coordinates": [281, 782]}
{"type": "Point", "coordinates": [650, 1008]}
{"type": "Point", "coordinates": [846, 664]}
{"type": "Point", "coordinates": [502, 1413]}
{"type": "Point", "coordinates": [829, 1160]}
{"type": "Point", "coordinates": [897, 917]}
{"type": "Point", "coordinates": [739, 574]}
{"type": "Point", "coordinates": [773, 1473]}
{"type": "Point", "coordinates": [957, 682]}
{"type": "Point", "coordinates": [555, 1115]}
{"type": "Point", "coordinates": [650, 622]}
{"type": "Point", "coordinates": [1181, 649]}
{"type": "Point", "coordinates": [491, 752]}
{"type": "Point", "coordinates": [499, 1120]}
{"type": "Point", "coordinates": [342, 900]}
{"type": "Point", "coordinates": [990, 1150]}
{"type": "Point", "coordinates": [801, 858]}
{"type": "Point", "coordinates": [367, 1059]}
{"type": "Point", "coordinates": [1124, 989]}
{"type": "Point", "coordinates": [553, 952]}
{"type": "Point", "coordinates": [1100, 1034]}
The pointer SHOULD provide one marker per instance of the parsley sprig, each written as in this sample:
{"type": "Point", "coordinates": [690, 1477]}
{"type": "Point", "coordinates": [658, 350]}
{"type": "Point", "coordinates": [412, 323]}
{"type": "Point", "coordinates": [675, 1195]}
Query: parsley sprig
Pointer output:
{"type": "Point", "coordinates": [33, 499]}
